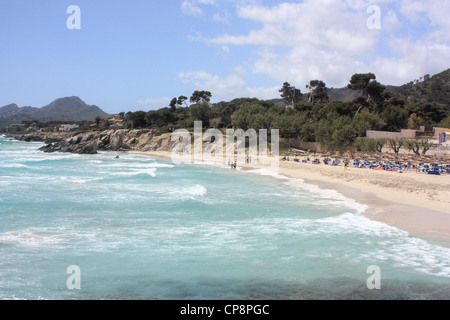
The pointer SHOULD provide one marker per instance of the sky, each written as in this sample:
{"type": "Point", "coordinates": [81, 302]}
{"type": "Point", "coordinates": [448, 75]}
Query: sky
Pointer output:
{"type": "Point", "coordinates": [139, 54]}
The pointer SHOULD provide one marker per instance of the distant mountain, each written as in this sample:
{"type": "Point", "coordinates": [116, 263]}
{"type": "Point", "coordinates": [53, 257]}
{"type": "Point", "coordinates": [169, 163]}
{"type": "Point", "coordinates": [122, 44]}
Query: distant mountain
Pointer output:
{"type": "Point", "coordinates": [64, 109]}
{"type": "Point", "coordinates": [343, 94]}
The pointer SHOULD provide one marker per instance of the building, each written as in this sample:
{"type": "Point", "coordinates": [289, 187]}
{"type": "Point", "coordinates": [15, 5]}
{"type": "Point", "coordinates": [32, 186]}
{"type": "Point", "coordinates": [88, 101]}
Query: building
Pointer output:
{"type": "Point", "coordinates": [422, 133]}
{"type": "Point", "coordinates": [116, 121]}
{"type": "Point", "coordinates": [68, 127]}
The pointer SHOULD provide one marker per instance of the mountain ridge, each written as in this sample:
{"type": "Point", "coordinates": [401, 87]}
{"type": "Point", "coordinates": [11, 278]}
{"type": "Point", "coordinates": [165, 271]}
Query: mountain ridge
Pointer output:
{"type": "Point", "coordinates": [62, 109]}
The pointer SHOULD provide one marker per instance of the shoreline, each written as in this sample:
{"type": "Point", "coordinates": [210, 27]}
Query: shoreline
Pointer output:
{"type": "Point", "coordinates": [423, 214]}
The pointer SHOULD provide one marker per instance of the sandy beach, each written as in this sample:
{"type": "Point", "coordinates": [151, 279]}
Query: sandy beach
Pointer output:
{"type": "Point", "coordinates": [415, 202]}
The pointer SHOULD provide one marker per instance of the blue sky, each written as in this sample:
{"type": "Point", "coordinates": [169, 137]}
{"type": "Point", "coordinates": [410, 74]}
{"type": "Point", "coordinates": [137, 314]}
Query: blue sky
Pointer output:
{"type": "Point", "coordinates": [138, 54]}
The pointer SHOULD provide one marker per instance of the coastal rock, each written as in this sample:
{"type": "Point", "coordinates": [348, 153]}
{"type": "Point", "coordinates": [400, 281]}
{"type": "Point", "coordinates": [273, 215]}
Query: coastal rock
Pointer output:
{"type": "Point", "coordinates": [109, 140]}
{"type": "Point", "coordinates": [90, 148]}
{"type": "Point", "coordinates": [33, 138]}
{"type": "Point", "coordinates": [116, 141]}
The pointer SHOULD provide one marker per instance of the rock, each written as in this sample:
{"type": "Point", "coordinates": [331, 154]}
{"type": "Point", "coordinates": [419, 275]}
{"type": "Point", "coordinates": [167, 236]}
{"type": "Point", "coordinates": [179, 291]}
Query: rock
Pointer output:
{"type": "Point", "coordinates": [116, 142]}
{"type": "Point", "coordinates": [90, 148]}
{"type": "Point", "coordinates": [87, 137]}
{"type": "Point", "coordinates": [108, 140]}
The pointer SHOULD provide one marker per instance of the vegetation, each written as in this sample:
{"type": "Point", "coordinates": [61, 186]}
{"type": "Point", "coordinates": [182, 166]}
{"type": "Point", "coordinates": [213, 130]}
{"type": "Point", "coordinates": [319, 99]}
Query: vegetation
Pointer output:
{"type": "Point", "coordinates": [417, 145]}
{"type": "Point", "coordinates": [315, 119]}
{"type": "Point", "coordinates": [427, 89]}
{"type": "Point", "coordinates": [310, 117]}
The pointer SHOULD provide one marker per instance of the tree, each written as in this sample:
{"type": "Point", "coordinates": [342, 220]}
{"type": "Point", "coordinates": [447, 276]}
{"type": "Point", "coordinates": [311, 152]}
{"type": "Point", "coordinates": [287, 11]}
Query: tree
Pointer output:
{"type": "Point", "coordinates": [372, 90]}
{"type": "Point", "coordinates": [365, 121]}
{"type": "Point", "coordinates": [396, 118]}
{"type": "Point", "coordinates": [181, 100]}
{"type": "Point", "coordinates": [173, 104]}
{"type": "Point", "coordinates": [369, 144]}
{"type": "Point", "coordinates": [366, 144]}
{"type": "Point", "coordinates": [98, 121]}
{"type": "Point", "coordinates": [375, 92]}
{"type": "Point", "coordinates": [215, 122]}
{"type": "Point", "coordinates": [201, 96]}
{"type": "Point", "coordinates": [137, 119]}
{"type": "Point", "coordinates": [344, 136]}
{"type": "Point", "coordinates": [290, 95]}
{"type": "Point", "coordinates": [417, 144]}
{"type": "Point", "coordinates": [160, 118]}
{"type": "Point", "coordinates": [396, 144]}
{"type": "Point", "coordinates": [246, 116]}
{"type": "Point", "coordinates": [414, 122]}
{"type": "Point", "coordinates": [381, 142]}
{"type": "Point", "coordinates": [200, 112]}
{"type": "Point", "coordinates": [445, 123]}
{"type": "Point", "coordinates": [318, 92]}
{"type": "Point", "coordinates": [359, 104]}
{"type": "Point", "coordinates": [323, 131]}
{"type": "Point", "coordinates": [361, 82]}
{"type": "Point", "coordinates": [430, 112]}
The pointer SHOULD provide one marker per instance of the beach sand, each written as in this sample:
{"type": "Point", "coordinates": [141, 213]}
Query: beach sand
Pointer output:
{"type": "Point", "coordinates": [414, 202]}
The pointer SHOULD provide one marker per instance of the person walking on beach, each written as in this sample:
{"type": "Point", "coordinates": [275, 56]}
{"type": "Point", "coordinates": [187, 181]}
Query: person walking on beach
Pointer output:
{"type": "Point", "coordinates": [345, 164]}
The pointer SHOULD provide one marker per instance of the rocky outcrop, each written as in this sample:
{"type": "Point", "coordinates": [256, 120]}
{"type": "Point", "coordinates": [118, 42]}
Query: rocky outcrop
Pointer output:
{"type": "Point", "coordinates": [93, 141]}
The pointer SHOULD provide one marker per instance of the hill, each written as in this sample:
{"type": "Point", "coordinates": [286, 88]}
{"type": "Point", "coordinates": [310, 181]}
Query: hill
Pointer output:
{"type": "Point", "coordinates": [427, 89]}
{"type": "Point", "coordinates": [63, 109]}
{"type": "Point", "coordinates": [335, 94]}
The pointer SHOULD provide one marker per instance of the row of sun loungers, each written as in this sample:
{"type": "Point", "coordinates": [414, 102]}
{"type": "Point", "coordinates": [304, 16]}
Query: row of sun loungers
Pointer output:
{"type": "Point", "coordinates": [380, 165]}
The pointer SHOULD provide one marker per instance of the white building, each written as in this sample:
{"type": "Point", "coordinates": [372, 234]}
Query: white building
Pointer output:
{"type": "Point", "coordinates": [68, 127]}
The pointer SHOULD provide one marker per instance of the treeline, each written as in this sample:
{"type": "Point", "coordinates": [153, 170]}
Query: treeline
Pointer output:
{"type": "Point", "coordinates": [335, 124]}
{"type": "Point", "coordinates": [30, 126]}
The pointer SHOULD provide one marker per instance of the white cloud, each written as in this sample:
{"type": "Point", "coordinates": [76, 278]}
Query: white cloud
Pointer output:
{"type": "Point", "coordinates": [223, 17]}
{"type": "Point", "coordinates": [391, 23]}
{"type": "Point", "coordinates": [415, 59]}
{"type": "Point", "coordinates": [226, 49]}
{"type": "Point", "coordinates": [329, 40]}
{"type": "Point", "coordinates": [230, 87]}
{"type": "Point", "coordinates": [433, 13]}
{"type": "Point", "coordinates": [192, 7]}
{"type": "Point", "coordinates": [321, 39]}
{"type": "Point", "coordinates": [154, 103]}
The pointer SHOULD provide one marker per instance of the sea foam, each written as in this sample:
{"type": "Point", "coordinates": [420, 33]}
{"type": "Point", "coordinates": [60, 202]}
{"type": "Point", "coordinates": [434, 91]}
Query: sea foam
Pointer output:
{"type": "Point", "coordinates": [192, 231]}
{"type": "Point", "coordinates": [325, 197]}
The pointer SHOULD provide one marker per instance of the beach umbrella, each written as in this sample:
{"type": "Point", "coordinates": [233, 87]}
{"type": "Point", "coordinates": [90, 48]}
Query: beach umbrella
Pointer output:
{"type": "Point", "coordinates": [336, 156]}
{"type": "Point", "coordinates": [347, 155]}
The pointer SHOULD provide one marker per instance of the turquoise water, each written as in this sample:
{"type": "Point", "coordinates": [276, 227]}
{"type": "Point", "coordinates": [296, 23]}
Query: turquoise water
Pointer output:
{"type": "Point", "coordinates": [140, 228]}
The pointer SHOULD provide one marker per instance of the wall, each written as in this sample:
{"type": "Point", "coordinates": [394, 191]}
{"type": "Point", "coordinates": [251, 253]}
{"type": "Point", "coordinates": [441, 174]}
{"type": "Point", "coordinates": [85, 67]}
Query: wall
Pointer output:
{"type": "Point", "coordinates": [383, 134]}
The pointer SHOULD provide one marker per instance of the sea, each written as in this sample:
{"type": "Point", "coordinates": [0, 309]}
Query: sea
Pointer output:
{"type": "Point", "coordinates": [93, 227]}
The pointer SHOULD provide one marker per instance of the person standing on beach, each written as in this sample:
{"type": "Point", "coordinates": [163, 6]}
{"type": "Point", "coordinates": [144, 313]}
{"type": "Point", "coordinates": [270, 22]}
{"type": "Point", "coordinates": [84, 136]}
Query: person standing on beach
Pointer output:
{"type": "Point", "coordinates": [345, 164]}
